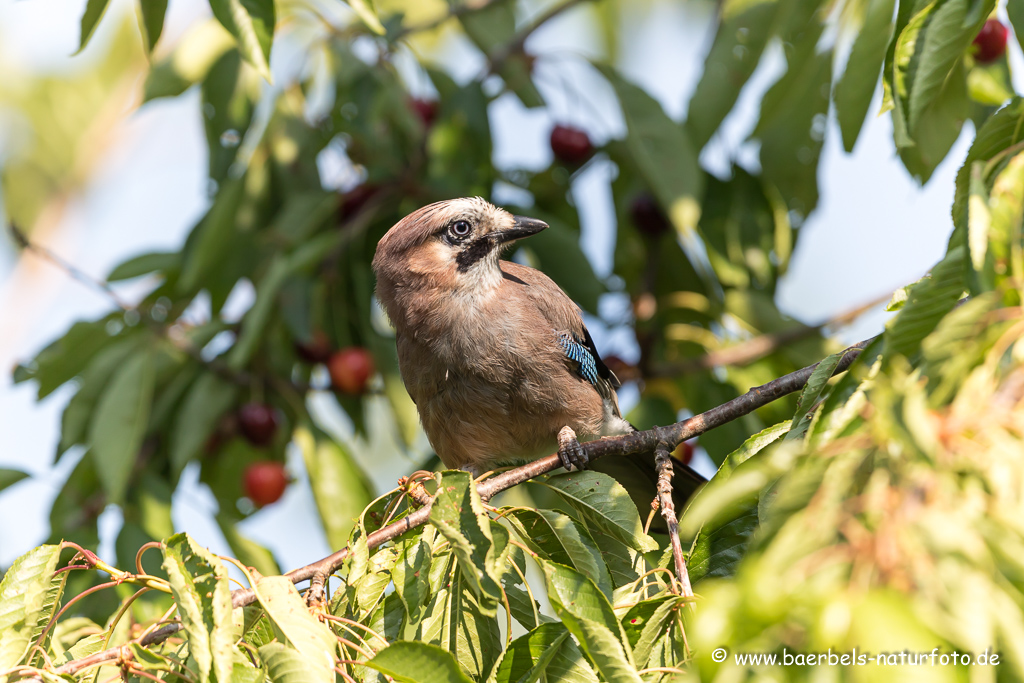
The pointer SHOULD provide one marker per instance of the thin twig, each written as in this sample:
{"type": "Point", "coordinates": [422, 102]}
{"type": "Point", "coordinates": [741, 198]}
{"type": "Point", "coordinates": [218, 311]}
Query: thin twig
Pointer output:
{"type": "Point", "coordinates": [663, 462]}
{"type": "Point", "coordinates": [636, 442]}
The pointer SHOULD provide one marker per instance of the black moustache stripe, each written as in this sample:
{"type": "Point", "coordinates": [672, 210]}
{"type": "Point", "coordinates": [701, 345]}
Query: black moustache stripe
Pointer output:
{"type": "Point", "coordinates": [473, 252]}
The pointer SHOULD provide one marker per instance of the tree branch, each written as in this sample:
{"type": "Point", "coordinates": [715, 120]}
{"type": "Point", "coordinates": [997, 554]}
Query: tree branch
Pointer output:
{"type": "Point", "coordinates": [637, 442]}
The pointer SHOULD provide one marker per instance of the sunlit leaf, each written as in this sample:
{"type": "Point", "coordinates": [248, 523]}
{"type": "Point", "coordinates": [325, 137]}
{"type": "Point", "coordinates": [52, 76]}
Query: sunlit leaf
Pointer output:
{"type": "Point", "coordinates": [251, 22]}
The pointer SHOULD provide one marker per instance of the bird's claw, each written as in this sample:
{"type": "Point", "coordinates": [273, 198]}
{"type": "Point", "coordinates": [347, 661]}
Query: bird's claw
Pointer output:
{"type": "Point", "coordinates": [570, 452]}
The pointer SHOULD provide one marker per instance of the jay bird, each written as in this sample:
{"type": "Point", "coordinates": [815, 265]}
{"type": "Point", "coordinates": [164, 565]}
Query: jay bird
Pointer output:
{"type": "Point", "coordinates": [494, 354]}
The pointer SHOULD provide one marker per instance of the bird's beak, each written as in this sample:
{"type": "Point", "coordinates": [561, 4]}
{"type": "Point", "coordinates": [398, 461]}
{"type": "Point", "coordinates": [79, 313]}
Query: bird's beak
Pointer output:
{"type": "Point", "coordinates": [521, 227]}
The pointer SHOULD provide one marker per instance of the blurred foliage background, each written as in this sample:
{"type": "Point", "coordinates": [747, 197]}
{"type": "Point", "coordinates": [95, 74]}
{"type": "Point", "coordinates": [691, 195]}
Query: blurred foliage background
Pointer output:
{"type": "Point", "coordinates": [371, 111]}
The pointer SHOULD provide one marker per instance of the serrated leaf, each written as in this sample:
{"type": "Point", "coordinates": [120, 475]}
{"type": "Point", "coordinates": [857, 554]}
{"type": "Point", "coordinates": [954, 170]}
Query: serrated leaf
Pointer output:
{"type": "Point", "coordinates": [855, 90]}
{"type": "Point", "coordinates": [294, 624]}
{"type": "Point", "coordinates": [588, 615]}
{"type": "Point", "coordinates": [1002, 130]}
{"type": "Point", "coordinates": [603, 505]}
{"type": "Point", "coordinates": [287, 665]}
{"type": "Point", "coordinates": [459, 515]}
{"type": "Point", "coordinates": [979, 219]}
{"type": "Point", "coordinates": [662, 151]}
{"type": "Point", "coordinates": [199, 582]}
{"type": "Point", "coordinates": [811, 393]}
{"type": "Point", "coordinates": [546, 653]}
{"type": "Point", "coordinates": [412, 662]}
{"type": "Point", "coordinates": [252, 23]}
{"type": "Point", "coordinates": [27, 602]}
{"type": "Point", "coordinates": [412, 576]}
{"type": "Point", "coordinates": [928, 302]}
{"type": "Point", "coordinates": [645, 623]}
{"type": "Point", "coordinates": [120, 421]}
{"type": "Point", "coordinates": [454, 620]}
{"type": "Point", "coordinates": [561, 539]}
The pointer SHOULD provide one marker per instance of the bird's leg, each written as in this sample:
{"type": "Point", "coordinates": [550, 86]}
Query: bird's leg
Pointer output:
{"type": "Point", "coordinates": [570, 451]}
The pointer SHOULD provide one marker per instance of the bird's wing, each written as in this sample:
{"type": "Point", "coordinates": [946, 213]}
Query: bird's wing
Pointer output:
{"type": "Point", "coordinates": [569, 332]}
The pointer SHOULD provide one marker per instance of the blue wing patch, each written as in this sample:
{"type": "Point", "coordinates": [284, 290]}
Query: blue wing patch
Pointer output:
{"type": "Point", "coordinates": [579, 354]}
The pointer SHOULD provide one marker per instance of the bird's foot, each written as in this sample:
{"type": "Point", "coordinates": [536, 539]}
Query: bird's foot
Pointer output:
{"type": "Point", "coordinates": [570, 451]}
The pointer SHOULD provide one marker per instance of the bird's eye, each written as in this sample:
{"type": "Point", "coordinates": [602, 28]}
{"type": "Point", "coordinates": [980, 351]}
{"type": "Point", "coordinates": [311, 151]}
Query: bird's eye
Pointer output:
{"type": "Point", "coordinates": [460, 229]}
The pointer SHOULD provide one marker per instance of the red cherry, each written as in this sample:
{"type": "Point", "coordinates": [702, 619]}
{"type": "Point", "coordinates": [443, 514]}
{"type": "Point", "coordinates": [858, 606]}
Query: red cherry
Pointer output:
{"type": "Point", "coordinates": [648, 217]}
{"type": "Point", "coordinates": [316, 350]}
{"type": "Point", "coordinates": [990, 42]}
{"type": "Point", "coordinates": [425, 109]}
{"type": "Point", "coordinates": [570, 145]}
{"type": "Point", "coordinates": [684, 452]}
{"type": "Point", "coordinates": [258, 422]}
{"type": "Point", "coordinates": [351, 369]}
{"type": "Point", "coordinates": [265, 482]}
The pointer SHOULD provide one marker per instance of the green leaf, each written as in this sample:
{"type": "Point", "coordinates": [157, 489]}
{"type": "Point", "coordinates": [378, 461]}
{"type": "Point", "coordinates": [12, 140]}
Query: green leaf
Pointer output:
{"type": "Point", "coordinates": [287, 665]}
{"type": "Point", "coordinates": [588, 615]}
{"type": "Point", "coordinates": [202, 408]}
{"type": "Point", "coordinates": [210, 240]}
{"type": "Point", "coordinates": [1015, 13]}
{"type": "Point", "coordinates": [120, 422]}
{"type": "Point", "coordinates": [459, 515]}
{"type": "Point", "coordinates": [561, 539]}
{"type": "Point", "coordinates": [367, 12]}
{"type": "Point", "coordinates": [411, 662]}
{"type": "Point", "coordinates": [455, 621]}
{"type": "Point", "coordinates": [27, 601]}
{"type": "Point", "coordinates": [492, 28]}
{"type": "Point", "coordinates": [294, 624]}
{"type": "Point", "coordinates": [603, 505]}
{"type": "Point", "coordinates": [546, 653]}
{"type": "Point", "coordinates": [66, 358]}
{"type": "Point", "coordinates": [979, 218]}
{"type": "Point", "coordinates": [9, 477]}
{"type": "Point", "coordinates": [662, 152]}
{"type": "Point", "coordinates": [412, 576]}
{"type": "Point", "coordinates": [792, 122]}
{"type": "Point", "coordinates": [1002, 130]}
{"type": "Point", "coordinates": [144, 264]}
{"type": "Point", "coordinates": [856, 88]}
{"type": "Point", "coordinates": [94, 379]}
{"type": "Point", "coordinates": [339, 485]}
{"type": "Point", "coordinates": [646, 622]}
{"type": "Point", "coordinates": [199, 582]}
{"type": "Point", "coordinates": [251, 22]}
{"type": "Point", "coordinates": [816, 384]}
{"type": "Point", "coordinates": [740, 38]}
{"type": "Point", "coordinates": [942, 42]}
{"type": "Point", "coordinates": [196, 52]}
{"type": "Point", "coordinates": [151, 21]}
{"type": "Point", "coordinates": [94, 11]}
{"type": "Point", "coordinates": [930, 300]}
{"type": "Point", "coordinates": [717, 551]}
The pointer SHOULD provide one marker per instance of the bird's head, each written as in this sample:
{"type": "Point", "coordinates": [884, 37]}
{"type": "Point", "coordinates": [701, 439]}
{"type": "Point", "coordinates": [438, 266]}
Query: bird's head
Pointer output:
{"type": "Point", "coordinates": [449, 245]}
